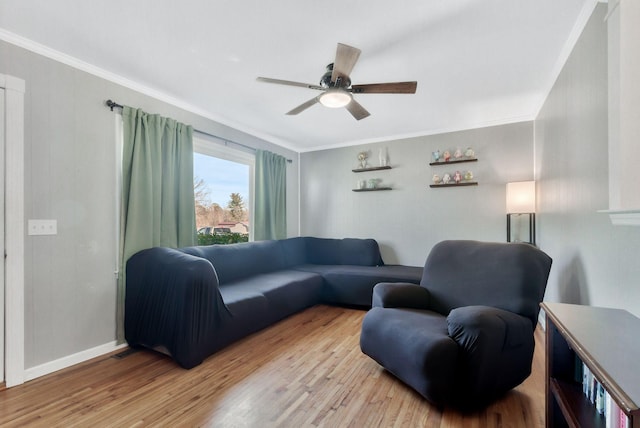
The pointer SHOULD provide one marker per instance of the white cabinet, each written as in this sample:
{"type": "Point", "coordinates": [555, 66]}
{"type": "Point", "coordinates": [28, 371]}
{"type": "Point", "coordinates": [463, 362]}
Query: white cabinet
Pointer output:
{"type": "Point", "coordinates": [624, 111]}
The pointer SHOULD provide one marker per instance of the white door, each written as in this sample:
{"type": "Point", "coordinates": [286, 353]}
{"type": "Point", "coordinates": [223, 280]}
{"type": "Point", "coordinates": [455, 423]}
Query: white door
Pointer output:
{"type": "Point", "coordinates": [12, 230]}
{"type": "Point", "coordinates": [2, 322]}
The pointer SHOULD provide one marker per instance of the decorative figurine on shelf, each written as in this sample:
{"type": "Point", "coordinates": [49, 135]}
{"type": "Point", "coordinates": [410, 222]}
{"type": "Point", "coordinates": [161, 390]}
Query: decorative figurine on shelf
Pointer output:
{"type": "Point", "coordinates": [362, 157]}
{"type": "Point", "coordinates": [469, 152]}
{"type": "Point", "coordinates": [447, 155]}
{"type": "Point", "coordinates": [468, 176]}
{"type": "Point", "coordinates": [457, 177]}
{"type": "Point", "coordinates": [436, 156]}
{"type": "Point", "coordinates": [372, 183]}
{"type": "Point", "coordinates": [436, 179]}
{"type": "Point", "coordinates": [446, 179]}
{"type": "Point", "coordinates": [457, 154]}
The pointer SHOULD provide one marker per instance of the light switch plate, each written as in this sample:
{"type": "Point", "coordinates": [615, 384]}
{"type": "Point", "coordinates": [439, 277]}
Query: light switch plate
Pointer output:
{"type": "Point", "coordinates": [42, 227]}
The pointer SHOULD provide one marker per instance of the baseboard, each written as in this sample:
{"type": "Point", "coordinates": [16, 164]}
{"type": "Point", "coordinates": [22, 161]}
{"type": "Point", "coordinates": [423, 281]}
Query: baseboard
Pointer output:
{"type": "Point", "coordinates": [70, 360]}
{"type": "Point", "coordinates": [542, 320]}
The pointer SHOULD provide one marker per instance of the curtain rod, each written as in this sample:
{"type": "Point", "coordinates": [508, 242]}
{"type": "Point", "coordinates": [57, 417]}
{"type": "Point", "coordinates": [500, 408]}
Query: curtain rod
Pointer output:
{"type": "Point", "coordinates": [112, 104]}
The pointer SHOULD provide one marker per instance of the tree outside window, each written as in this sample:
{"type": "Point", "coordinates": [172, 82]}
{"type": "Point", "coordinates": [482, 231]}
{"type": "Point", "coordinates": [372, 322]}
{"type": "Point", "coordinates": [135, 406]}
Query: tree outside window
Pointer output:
{"type": "Point", "coordinates": [222, 189]}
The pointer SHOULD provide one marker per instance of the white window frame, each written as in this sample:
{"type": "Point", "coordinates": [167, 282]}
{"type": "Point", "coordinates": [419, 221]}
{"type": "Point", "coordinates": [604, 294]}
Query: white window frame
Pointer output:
{"type": "Point", "coordinates": [219, 149]}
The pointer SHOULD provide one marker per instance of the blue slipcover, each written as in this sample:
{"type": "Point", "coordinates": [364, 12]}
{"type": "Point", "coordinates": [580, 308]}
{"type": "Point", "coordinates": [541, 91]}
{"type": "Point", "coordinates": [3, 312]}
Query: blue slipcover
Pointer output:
{"type": "Point", "coordinates": [193, 301]}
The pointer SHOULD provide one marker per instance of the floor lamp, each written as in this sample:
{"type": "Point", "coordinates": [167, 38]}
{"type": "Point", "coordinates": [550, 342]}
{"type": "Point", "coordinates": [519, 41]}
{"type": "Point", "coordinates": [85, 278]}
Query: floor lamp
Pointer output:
{"type": "Point", "coordinates": [521, 201]}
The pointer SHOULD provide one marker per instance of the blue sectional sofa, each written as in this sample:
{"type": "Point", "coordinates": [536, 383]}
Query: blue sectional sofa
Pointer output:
{"type": "Point", "coordinates": [191, 302]}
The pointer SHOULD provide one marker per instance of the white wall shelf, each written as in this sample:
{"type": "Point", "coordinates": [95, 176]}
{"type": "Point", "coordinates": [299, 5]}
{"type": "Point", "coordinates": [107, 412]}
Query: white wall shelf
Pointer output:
{"type": "Point", "coordinates": [461, 184]}
{"type": "Point", "coordinates": [623, 217]}
{"type": "Point", "coordinates": [371, 168]}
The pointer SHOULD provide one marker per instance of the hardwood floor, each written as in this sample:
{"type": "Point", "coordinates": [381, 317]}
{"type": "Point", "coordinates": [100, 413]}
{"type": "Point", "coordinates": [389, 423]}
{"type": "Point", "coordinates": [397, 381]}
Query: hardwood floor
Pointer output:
{"type": "Point", "coordinates": [305, 371]}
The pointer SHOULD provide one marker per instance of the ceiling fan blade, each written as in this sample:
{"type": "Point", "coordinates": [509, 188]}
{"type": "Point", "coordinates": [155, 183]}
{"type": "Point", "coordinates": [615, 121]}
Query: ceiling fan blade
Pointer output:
{"type": "Point", "coordinates": [386, 88]}
{"type": "Point", "coordinates": [289, 83]}
{"type": "Point", "coordinates": [346, 57]}
{"type": "Point", "coordinates": [302, 107]}
{"type": "Point", "coordinates": [357, 110]}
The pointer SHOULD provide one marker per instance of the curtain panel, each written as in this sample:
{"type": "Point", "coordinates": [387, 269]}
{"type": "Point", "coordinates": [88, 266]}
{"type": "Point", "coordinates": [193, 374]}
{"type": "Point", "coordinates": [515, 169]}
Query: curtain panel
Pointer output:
{"type": "Point", "coordinates": [270, 213]}
{"type": "Point", "coordinates": [158, 207]}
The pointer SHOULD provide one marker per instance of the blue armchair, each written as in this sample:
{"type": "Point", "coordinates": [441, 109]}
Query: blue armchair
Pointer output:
{"type": "Point", "coordinates": [464, 336]}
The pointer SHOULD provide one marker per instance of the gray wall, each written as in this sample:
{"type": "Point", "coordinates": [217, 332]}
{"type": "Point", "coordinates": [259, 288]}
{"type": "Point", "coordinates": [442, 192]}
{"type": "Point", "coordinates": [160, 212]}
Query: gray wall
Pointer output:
{"type": "Point", "coordinates": [411, 218]}
{"type": "Point", "coordinates": [70, 176]}
{"type": "Point", "coordinates": [595, 263]}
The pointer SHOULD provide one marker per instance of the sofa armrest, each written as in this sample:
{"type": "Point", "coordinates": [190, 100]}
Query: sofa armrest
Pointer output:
{"type": "Point", "coordinates": [173, 304]}
{"type": "Point", "coordinates": [400, 295]}
{"type": "Point", "coordinates": [497, 349]}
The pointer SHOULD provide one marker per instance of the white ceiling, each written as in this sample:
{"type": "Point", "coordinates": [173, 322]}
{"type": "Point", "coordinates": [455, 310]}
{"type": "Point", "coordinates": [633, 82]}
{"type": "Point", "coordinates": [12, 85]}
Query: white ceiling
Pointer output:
{"type": "Point", "coordinates": [477, 62]}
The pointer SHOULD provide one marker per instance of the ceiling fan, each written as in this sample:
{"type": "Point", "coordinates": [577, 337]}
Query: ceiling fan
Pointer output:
{"type": "Point", "coordinates": [337, 89]}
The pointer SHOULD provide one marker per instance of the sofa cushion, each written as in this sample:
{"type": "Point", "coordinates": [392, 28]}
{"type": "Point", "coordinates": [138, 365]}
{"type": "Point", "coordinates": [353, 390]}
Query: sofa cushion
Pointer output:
{"type": "Point", "coordinates": [353, 285]}
{"type": "Point", "coordinates": [237, 261]}
{"type": "Point", "coordinates": [285, 292]}
{"type": "Point", "coordinates": [249, 313]}
{"type": "Point", "coordinates": [294, 251]}
{"type": "Point", "coordinates": [348, 251]}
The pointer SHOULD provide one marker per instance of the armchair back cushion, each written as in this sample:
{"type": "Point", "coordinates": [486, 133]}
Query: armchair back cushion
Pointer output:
{"type": "Point", "coordinates": [469, 273]}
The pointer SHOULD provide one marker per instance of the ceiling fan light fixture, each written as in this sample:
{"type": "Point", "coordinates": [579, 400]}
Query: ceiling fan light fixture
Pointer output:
{"type": "Point", "coordinates": [335, 98]}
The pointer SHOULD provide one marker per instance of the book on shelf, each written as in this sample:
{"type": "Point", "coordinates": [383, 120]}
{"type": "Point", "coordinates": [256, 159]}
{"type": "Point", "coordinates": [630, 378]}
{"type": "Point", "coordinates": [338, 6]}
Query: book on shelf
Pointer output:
{"type": "Point", "coordinates": [604, 404]}
{"type": "Point", "coordinates": [600, 407]}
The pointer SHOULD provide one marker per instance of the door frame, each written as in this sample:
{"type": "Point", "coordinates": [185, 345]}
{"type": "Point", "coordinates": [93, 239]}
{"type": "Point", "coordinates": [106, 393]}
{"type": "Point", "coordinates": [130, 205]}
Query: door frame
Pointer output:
{"type": "Point", "coordinates": [14, 229]}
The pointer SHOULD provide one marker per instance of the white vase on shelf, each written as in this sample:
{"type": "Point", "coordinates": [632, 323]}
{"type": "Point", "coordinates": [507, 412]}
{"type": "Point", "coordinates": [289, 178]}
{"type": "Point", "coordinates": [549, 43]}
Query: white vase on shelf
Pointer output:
{"type": "Point", "coordinates": [383, 157]}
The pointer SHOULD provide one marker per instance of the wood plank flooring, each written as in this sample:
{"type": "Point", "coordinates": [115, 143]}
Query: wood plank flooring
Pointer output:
{"type": "Point", "coordinates": [306, 371]}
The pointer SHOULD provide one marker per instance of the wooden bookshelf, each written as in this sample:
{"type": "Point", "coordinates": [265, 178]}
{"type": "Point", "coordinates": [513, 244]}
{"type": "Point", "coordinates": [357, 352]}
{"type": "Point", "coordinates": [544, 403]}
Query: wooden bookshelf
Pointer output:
{"type": "Point", "coordinates": [606, 341]}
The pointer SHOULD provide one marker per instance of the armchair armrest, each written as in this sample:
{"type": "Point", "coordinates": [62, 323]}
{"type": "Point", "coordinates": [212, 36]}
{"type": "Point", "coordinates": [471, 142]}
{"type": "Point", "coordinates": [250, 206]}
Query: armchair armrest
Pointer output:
{"type": "Point", "coordinates": [497, 349]}
{"type": "Point", "coordinates": [400, 295]}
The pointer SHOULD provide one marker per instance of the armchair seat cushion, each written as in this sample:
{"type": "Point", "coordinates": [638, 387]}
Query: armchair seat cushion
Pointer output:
{"type": "Point", "coordinates": [415, 346]}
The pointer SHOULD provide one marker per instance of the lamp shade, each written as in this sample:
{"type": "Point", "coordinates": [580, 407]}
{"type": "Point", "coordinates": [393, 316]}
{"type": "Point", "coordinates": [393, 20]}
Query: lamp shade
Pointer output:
{"type": "Point", "coordinates": [521, 197]}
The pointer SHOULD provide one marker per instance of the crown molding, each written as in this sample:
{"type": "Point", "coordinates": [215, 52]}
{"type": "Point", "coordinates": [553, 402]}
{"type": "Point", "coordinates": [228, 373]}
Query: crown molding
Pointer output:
{"type": "Point", "coordinates": [71, 61]}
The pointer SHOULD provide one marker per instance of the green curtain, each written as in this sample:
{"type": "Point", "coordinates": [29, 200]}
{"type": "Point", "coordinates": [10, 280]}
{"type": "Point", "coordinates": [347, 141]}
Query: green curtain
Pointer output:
{"type": "Point", "coordinates": [270, 212]}
{"type": "Point", "coordinates": [158, 207]}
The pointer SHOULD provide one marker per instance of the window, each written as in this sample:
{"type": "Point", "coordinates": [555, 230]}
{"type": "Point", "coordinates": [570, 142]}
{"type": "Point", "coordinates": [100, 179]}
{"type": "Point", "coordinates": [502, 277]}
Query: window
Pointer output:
{"type": "Point", "coordinates": [223, 187]}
